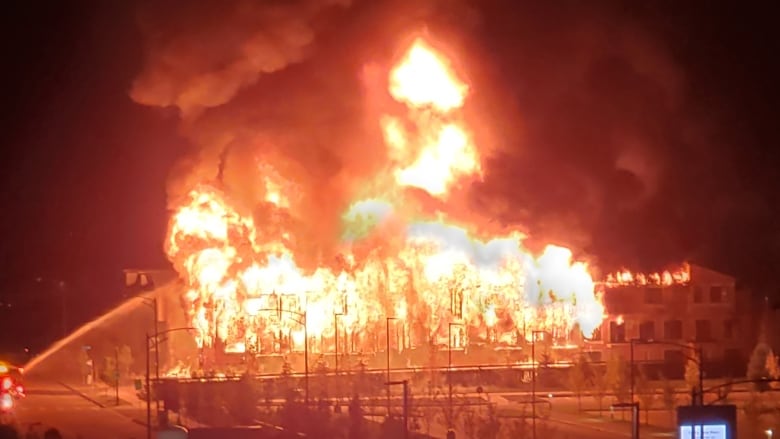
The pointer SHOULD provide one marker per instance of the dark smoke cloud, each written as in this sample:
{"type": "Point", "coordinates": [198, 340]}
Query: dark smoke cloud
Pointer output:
{"type": "Point", "coordinates": [581, 113]}
{"type": "Point", "coordinates": [200, 54]}
{"type": "Point", "coordinates": [598, 138]}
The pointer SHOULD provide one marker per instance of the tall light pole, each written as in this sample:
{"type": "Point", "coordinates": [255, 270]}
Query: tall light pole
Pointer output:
{"type": "Point", "coordinates": [387, 348]}
{"type": "Point", "coordinates": [336, 337]}
{"type": "Point", "coordinates": [152, 302]}
{"type": "Point", "coordinates": [405, 384]}
{"type": "Point", "coordinates": [449, 370]}
{"type": "Point", "coordinates": [303, 321]}
{"type": "Point", "coordinates": [156, 338]}
{"type": "Point", "coordinates": [533, 378]}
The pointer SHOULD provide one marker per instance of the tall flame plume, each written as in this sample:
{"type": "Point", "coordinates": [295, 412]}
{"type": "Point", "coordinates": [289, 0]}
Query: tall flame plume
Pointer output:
{"type": "Point", "coordinates": [246, 291]}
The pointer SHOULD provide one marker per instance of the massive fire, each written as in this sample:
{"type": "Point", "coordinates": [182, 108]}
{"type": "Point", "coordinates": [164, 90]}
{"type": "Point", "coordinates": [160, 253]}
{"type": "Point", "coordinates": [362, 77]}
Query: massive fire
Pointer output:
{"type": "Point", "coordinates": [246, 292]}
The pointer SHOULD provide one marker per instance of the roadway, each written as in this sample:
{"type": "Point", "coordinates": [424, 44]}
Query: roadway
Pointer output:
{"type": "Point", "coordinates": [50, 405]}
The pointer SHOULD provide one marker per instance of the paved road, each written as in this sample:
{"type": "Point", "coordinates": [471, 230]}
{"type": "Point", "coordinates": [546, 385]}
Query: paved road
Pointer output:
{"type": "Point", "coordinates": [52, 405]}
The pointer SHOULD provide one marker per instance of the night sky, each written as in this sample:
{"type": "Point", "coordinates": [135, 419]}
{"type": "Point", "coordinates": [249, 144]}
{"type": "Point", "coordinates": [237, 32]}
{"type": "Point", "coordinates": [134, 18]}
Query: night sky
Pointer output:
{"type": "Point", "coordinates": [653, 142]}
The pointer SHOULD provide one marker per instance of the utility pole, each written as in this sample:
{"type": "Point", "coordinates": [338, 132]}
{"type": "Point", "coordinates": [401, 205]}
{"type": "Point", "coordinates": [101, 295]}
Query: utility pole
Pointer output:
{"type": "Point", "coordinates": [148, 393]}
{"type": "Point", "coordinates": [116, 374]}
{"type": "Point", "coordinates": [387, 348]}
{"type": "Point", "coordinates": [405, 384]}
{"type": "Point", "coordinates": [533, 379]}
{"type": "Point", "coordinates": [449, 372]}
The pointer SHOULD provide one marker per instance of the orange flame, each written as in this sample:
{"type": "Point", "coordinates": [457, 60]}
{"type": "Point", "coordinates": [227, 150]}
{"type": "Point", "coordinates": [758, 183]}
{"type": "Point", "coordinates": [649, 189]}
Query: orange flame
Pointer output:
{"type": "Point", "coordinates": [432, 149]}
{"type": "Point", "coordinates": [678, 276]}
{"type": "Point", "coordinates": [249, 293]}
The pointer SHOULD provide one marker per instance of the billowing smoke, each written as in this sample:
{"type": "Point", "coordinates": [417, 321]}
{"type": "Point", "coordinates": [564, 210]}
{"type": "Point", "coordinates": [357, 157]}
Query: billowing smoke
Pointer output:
{"type": "Point", "coordinates": [578, 111]}
{"type": "Point", "coordinates": [589, 125]}
{"type": "Point", "coordinates": [202, 54]}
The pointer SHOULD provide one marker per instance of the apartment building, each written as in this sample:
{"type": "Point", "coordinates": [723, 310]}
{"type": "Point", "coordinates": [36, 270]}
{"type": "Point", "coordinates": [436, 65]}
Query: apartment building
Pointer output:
{"type": "Point", "coordinates": [663, 316]}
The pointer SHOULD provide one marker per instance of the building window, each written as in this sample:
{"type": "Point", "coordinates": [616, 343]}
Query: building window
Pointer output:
{"type": "Point", "coordinates": [703, 330]}
{"type": "Point", "coordinates": [617, 332]}
{"type": "Point", "coordinates": [647, 331]}
{"type": "Point", "coordinates": [653, 296]}
{"type": "Point", "coordinates": [673, 330]}
{"type": "Point", "coordinates": [698, 295]}
{"type": "Point", "coordinates": [728, 328]}
{"type": "Point", "coordinates": [716, 294]}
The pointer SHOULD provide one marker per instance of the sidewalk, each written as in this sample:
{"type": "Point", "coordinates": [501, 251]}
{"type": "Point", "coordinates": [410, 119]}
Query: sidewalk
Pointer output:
{"type": "Point", "coordinates": [129, 405]}
{"type": "Point", "coordinates": [614, 425]}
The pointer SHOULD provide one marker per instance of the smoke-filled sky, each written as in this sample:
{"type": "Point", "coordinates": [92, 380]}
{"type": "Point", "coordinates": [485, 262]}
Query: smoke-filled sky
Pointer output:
{"type": "Point", "coordinates": [640, 134]}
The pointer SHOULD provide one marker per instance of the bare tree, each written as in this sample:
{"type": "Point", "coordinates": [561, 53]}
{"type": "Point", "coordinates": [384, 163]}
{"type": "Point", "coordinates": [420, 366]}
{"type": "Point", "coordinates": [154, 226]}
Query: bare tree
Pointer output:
{"type": "Point", "coordinates": [669, 397]}
{"type": "Point", "coordinates": [757, 365]}
{"type": "Point", "coordinates": [773, 368]}
{"type": "Point", "coordinates": [578, 378]}
{"type": "Point", "coordinates": [600, 387]}
{"type": "Point", "coordinates": [125, 358]}
{"type": "Point", "coordinates": [692, 371]}
{"type": "Point", "coordinates": [617, 378]}
{"type": "Point", "coordinates": [646, 393]}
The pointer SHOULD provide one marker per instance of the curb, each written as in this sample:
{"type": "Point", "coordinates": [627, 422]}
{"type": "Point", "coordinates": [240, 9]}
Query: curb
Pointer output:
{"type": "Point", "coordinates": [588, 427]}
{"type": "Point", "coordinates": [83, 395]}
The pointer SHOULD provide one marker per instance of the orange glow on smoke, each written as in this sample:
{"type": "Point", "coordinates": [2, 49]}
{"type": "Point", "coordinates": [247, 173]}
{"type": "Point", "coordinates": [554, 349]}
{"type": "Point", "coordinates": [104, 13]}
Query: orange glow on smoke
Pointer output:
{"type": "Point", "coordinates": [250, 294]}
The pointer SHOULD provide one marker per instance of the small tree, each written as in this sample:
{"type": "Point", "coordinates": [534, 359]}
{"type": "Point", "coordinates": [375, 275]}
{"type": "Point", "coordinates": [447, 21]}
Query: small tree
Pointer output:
{"type": "Point", "coordinates": [669, 397]}
{"type": "Point", "coordinates": [578, 378]}
{"type": "Point", "coordinates": [753, 409]}
{"type": "Point", "coordinates": [84, 364]}
{"type": "Point", "coordinates": [489, 425]}
{"type": "Point", "coordinates": [692, 375]}
{"type": "Point", "coordinates": [616, 378]}
{"type": "Point", "coordinates": [243, 401]}
{"type": "Point", "coordinates": [773, 368]}
{"type": "Point", "coordinates": [646, 393]}
{"type": "Point", "coordinates": [757, 369]}
{"type": "Point", "coordinates": [109, 372]}
{"type": "Point", "coordinates": [600, 387]}
{"type": "Point", "coordinates": [470, 423]}
{"type": "Point", "coordinates": [355, 418]}
{"type": "Point", "coordinates": [125, 358]}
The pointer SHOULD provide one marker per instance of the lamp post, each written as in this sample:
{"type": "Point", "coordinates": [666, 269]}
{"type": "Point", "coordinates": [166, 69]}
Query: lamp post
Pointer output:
{"type": "Point", "coordinates": [449, 369]}
{"type": "Point", "coordinates": [404, 383]}
{"type": "Point", "coordinates": [533, 379]}
{"type": "Point", "coordinates": [303, 321]}
{"type": "Point", "coordinates": [156, 338]}
{"type": "Point", "coordinates": [116, 375]}
{"type": "Point", "coordinates": [387, 348]}
{"type": "Point", "coordinates": [697, 358]}
{"type": "Point", "coordinates": [152, 302]}
{"type": "Point", "coordinates": [336, 338]}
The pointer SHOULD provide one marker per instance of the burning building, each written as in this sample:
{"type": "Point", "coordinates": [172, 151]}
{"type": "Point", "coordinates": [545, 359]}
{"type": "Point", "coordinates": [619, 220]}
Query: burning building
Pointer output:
{"type": "Point", "coordinates": [427, 274]}
{"type": "Point", "coordinates": [666, 311]}
{"type": "Point", "coordinates": [413, 267]}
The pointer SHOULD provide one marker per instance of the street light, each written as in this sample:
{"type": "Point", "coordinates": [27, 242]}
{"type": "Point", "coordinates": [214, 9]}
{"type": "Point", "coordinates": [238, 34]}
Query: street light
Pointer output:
{"type": "Point", "coordinates": [449, 368]}
{"type": "Point", "coordinates": [533, 378]}
{"type": "Point", "coordinates": [698, 358]}
{"type": "Point", "coordinates": [404, 383]}
{"type": "Point", "coordinates": [152, 302]}
{"type": "Point", "coordinates": [302, 320]}
{"type": "Point", "coordinates": [336, 338]}
{"type": "Point", "coordinates": [387, 348]}
{"type": "Point", "coordinates": [156, 338]}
